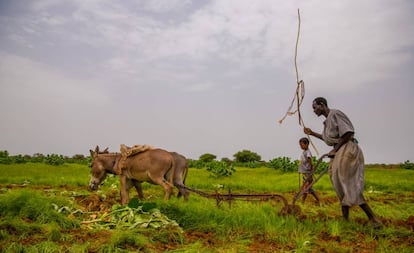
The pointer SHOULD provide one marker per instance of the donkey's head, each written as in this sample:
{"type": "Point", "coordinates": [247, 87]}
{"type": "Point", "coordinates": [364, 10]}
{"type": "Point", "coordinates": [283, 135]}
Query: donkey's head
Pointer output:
{"type": "Point", "coordinates": [102, 162]}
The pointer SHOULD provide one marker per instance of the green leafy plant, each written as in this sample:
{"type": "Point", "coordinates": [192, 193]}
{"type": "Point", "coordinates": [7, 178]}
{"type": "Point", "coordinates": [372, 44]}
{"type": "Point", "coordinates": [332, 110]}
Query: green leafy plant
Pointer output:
{"type": "Point", "coordinates": [220, 169]}
{"type": "Point", "coordinates": [37, 158]}
{"type": "Point", "coordinates": [19, 159]}
{"type": "Point", "coordinates": [196, 164]}
{"type": "Point", "coordinates": [322, 165]}
{"type": "Point", "coordinates": [135, 215]}
{"type": "Point", "coordinates": [284, 164]}
{"type": "Point", "coordinates": [4, 157]}
{"type": "Point", "coordinates": [54, 159]}
{"type": "Point", "coordinates": [407, 165]}
{"type": "Point", "coordinates": [249, 164]}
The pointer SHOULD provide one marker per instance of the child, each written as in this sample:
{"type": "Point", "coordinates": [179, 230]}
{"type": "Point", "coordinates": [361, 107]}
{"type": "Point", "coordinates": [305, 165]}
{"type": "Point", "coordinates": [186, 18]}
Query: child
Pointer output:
{"type": "Point", "coordinates": [306, 169]}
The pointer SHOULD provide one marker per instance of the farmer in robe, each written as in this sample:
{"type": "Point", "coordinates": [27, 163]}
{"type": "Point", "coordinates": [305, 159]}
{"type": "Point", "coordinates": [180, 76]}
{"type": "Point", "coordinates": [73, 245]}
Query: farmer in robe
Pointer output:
{"type": "Point", "coordinates": [347, 160]}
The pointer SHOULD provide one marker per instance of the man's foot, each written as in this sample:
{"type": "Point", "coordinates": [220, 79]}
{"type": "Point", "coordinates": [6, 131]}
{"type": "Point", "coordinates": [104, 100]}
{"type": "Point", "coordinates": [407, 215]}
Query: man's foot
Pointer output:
{"type": "Point", "coordinates": [376, 224]}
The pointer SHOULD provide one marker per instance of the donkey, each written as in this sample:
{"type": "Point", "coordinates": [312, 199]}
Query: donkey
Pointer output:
{"type": "Point", "coordinates": [153, 166]}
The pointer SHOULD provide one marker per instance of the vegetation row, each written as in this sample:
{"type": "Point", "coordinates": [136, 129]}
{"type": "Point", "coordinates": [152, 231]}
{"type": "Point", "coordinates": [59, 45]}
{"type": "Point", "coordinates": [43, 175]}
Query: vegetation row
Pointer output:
{"type": "Point", "coordinates": [224, 167]}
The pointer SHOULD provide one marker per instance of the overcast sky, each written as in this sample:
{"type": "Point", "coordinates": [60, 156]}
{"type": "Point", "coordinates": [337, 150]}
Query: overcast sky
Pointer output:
{"type": "Point", "coordinates": [201, 76]}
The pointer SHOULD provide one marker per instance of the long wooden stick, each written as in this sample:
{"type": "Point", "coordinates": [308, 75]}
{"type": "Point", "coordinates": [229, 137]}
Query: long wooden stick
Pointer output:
{"type": "Point", "coordinates": [297, 72]}
{"type": "Point", "coordinates": [300, 90]}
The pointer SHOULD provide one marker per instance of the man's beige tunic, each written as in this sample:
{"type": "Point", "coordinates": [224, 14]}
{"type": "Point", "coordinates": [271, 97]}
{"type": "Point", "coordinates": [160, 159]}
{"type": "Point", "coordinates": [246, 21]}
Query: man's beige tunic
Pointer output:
{"type": "Point", "coordinates": [347, 167]}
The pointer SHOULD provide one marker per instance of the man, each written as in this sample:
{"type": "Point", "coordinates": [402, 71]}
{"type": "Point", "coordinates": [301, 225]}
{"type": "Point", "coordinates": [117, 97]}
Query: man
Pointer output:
{"type": "Point", "coordinates": [347, 163]}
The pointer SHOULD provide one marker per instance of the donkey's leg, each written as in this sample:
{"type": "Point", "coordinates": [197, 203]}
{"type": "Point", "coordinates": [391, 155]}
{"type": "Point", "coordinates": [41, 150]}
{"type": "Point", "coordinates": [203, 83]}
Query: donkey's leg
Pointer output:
{"type": "Point", "coordinates": [185, 193]}
{"type": "Point", "coordinates": [181, 177]}
{"type": "Point", "coordinates": [134, 183]}
{"type": "Point", "coordinates": [124, 189]}
{"type": "Point", "coordinates": [178, 182]}
{"type": "Point", "coordinates": [138, 187]}
{"type": "Point", "coordinates": [167, 186]}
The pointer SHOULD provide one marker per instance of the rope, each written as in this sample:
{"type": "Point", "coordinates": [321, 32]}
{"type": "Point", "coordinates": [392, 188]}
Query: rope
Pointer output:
{"type": "Point", "coordinates": [299, 92]}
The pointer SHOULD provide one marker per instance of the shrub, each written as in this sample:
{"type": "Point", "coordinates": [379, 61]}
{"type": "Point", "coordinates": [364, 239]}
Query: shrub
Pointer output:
{"type": "Point", "coordinates": [54, 159]}
{"type": "Point", "coordinates": [220, 169]}
{"type": "Point", "coordinates": [249, 164]}
{"type": "Point", "coordinates": [407, 165]}
{"type": "Point", "coordinates": [4, 157]}
{"type": "Point", "coordinates": [226, 160]}
{"type": "Point", "coordinates": [37, 158]}
{"type": "Point", "coordinates": [19, 159]}
{"type": "Point", "coordinates": [322, 165]}
{"type": "Point", "coordinates": [196, 164]}
{"type": "Point", "coordinates": [284, 164]}
{"type": "Point", "coordinates": [79, 159]}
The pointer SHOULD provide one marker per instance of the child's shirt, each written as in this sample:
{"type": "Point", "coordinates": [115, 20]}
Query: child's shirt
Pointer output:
{"type": "Point", "coordinates": [304, 165]}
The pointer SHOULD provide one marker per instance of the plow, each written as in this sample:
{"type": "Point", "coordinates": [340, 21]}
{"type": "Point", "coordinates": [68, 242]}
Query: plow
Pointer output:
{"type": "Point", "coordinates": [287, 208]}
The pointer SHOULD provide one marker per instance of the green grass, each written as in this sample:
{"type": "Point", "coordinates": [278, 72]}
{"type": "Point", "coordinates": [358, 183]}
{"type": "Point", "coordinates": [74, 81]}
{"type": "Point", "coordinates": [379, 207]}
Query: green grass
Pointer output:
{"type": "Point", "coordinates": [395, 180]}
{"type": "Point", "coordinates": [257, 180]}
{"type": "Point", "coordinates": [43, 174]}
{"type": "Point", "coordinates": [33, 197]}
{"type": "Point", "coordinates": [33, 206]}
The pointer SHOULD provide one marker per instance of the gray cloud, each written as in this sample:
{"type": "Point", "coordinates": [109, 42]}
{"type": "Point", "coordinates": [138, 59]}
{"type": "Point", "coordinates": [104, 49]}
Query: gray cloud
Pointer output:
{"type": "Point", "coordinates": [202, 76]}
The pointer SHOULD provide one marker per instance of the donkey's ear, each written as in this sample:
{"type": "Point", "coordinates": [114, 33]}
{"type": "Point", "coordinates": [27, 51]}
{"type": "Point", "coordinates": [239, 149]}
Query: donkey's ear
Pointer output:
{"type": "Point", "coordinates": [92, 152]}
{"type": "Point", "coordinates": [105, 150]}
{"type": "Point", "coordinates": [97, 149]}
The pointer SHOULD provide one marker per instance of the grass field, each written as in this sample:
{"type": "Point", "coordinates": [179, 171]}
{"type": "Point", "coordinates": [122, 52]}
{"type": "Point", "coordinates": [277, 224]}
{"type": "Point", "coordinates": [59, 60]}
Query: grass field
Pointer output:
{"type": "Point", "coordinates": [49, 209]}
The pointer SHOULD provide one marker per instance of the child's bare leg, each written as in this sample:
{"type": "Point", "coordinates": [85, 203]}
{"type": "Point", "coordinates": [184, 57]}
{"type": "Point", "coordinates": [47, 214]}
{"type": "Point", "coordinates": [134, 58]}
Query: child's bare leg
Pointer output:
{"type": "Point", "coordinates": [304, 198]}
{"type": "Point", "coordinates": [316, 197]}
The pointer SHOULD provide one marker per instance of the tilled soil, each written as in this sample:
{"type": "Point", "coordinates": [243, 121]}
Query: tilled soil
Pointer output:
{"type": "Point", "coordinates": [96, 203]}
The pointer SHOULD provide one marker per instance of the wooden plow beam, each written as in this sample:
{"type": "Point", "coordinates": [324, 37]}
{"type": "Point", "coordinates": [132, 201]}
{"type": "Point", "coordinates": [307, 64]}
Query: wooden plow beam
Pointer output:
{"type": "Point", "coordinates": [230, 197]}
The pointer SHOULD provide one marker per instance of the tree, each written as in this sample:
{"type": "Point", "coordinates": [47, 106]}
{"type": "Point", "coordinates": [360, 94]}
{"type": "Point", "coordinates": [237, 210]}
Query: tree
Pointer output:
{"type": "Point", "coordinates": [4, 153]}
{"type": "Point", "coordinates": [78, 157]}
{"type": "Point", "coordinates": [37, 158]}
{"type": "Point", "coordinates": [226, 160]}
{"type": "Point", "coordinates": [246, 156]}
{"type": "Point", "coordinates": [4, 157]}
{"type": "Point", "coordinates": [407, 165]}
{"type": "Point", "coordinates": [206, 158]}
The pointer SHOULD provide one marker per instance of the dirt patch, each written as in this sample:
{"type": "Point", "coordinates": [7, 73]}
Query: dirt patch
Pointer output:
{"type": "Point", "coordinates": [408, 223]}
{"type": "Point", "coordinates": [208, 238]}
{"type": "Point", "coordinates": [325, 236]}
{"type": "Point", "coordinates": [261, 244]}
{"type": "Point", "coordinates": [98, 202]}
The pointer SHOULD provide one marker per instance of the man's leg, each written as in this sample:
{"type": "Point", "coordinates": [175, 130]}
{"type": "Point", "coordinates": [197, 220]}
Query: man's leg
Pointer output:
{"type": "Point", "coordinates": [345, 212]}
{"type": "Point", "coordinates": [368, 211]}
{"type": "Point", "coordinates": [371, 216]}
